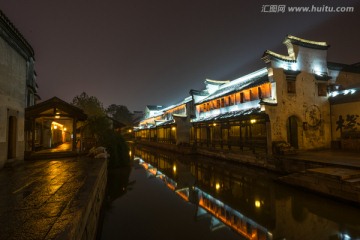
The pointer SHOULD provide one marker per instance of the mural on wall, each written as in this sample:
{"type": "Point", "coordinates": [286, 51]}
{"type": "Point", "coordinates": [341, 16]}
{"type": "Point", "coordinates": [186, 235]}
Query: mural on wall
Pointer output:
{"type": "Point", "coordinates": [348, 124]}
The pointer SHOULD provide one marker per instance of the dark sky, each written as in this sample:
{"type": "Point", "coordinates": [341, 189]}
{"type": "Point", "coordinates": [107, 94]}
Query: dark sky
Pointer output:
{"type": "Point", "coordinates": [140, 52]}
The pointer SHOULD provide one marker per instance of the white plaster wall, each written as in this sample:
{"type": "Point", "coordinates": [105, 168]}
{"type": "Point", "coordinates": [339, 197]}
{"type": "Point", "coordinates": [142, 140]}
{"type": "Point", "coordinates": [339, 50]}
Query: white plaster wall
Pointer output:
{"type": "Point", "coordinates": [12, 97]}
{"type": "Point", "coordinates": [348, 80]}
{"type": "Point", "coordinates": [344, 109]}
{"type": "Point", "coordinates": [311, 60]}
{"type": "Point", "coordinates": [296, 105]}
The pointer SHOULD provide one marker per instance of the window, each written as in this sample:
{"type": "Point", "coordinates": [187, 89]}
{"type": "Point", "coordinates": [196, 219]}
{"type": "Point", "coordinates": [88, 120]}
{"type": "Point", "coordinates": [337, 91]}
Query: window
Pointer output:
{"type": "Point", "coordinates": [242, 97]}
{"type": "Point", "coordinates": [291, 87]}
{"type": "Point", "coordinates": [259, 93]}
{"type": "Point", "coordinates": [222, 102]}
{"type": "Point", "coordinates": [322, 89]}
{"type": "Point", "coordinates": [218, 103]}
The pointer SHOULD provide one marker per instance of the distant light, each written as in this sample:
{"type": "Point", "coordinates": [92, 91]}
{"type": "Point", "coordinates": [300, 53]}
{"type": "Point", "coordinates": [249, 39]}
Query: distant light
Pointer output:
{"type": "Point", "coordinates": [252, 121]}
{"type": "Point", "coordinates": [65, 129]}
{"type": "Point", "coordinates": [352, 91]}
{"type": "Point", "coordinates": [334, 94]}
{"type": "Point", "coordinates": [345, 236]}
{"type": "Point", "coordinates": [257, 204]}
{"type": "Point", "coordinates": [130, 153]}
{"type": "Point", "coordinates": [174, 168]}
{"type": "Point", "coordinates": [173, 128]}
{"type": "Point", "coordinates": [130, 131]}
{"type": "Point", "coordinates": [346, 92]}
{"type": "Point", "coordinates": [217, 186]}
{"type": "Point", "coordinates": [214, 124]}
{"type": "Point", "coordinates": [55, 127]}
{"type": "Point", "coordinates": [57, 116]}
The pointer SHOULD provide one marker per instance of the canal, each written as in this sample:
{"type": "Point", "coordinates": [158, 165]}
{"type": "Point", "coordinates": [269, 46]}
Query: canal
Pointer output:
{"type": "Point", "coordinates": [168, 196]}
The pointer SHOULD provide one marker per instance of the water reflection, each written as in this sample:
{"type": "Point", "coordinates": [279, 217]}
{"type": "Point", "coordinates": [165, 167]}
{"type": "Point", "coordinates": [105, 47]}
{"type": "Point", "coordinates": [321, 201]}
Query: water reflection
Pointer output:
{"type": "Point", "coordinates": [118, 183]}
{"type": "Point", "coordinates": [248, 201]}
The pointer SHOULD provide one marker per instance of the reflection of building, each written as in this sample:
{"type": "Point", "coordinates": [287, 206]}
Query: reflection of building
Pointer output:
{"type": "Point", "coordinates": [17, 89]}
{"type": "Point", "coordinates": [298, 100]}
{"type": "Point", "coordinates": [249, 202]}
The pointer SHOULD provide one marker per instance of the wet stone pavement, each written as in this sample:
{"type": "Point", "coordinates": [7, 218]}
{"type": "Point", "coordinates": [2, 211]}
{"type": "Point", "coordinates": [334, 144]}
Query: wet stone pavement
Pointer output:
{"type": "Point", "coordinates": [39, 199]}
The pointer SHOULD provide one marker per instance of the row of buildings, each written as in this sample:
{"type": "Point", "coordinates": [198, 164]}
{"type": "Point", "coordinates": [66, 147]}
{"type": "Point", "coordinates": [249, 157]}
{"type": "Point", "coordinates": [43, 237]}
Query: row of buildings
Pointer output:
{"type": "Point", "coordinates": [296, 101]}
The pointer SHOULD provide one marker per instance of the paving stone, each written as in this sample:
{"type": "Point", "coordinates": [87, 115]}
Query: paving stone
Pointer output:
{"type": "Point", "coordinates": [38, 198]}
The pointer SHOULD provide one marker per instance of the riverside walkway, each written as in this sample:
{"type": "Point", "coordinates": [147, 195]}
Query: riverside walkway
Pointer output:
{"type": "Point", "coordinates": [333, 173]}
{"type": "Point", "coordinates": [52, 199]}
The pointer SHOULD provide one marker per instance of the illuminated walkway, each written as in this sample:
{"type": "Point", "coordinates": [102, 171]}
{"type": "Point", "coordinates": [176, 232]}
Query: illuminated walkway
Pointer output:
{"type": "Point", "coordinates": [47, 199]}
{"type": "Point", "coordinates": [65, 147]}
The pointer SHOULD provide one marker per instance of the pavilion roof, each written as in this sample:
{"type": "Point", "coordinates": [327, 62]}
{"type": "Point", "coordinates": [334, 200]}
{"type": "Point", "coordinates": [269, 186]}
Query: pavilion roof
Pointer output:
{"type": "Point", "coordinates": [53, 105]}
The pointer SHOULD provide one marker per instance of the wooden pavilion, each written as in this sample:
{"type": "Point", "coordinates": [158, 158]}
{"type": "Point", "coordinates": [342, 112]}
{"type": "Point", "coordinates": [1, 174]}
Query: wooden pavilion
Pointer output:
{"type": "Point", "coordinates": [51, 123]}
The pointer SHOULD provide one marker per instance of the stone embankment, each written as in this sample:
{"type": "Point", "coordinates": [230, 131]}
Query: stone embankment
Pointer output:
{"type": "Point", "coordinates": [52, 199]}
{"type": "Point", "coordinates": [341, 183]}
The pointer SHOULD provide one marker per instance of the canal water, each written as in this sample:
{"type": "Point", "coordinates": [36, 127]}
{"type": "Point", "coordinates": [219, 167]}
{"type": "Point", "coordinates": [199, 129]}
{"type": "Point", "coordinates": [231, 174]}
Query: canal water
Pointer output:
{"type": "Point", "coordinates": [168, 196]}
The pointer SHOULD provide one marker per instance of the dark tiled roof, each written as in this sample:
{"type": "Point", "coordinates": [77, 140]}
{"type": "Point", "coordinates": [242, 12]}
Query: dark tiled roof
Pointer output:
{"type": "Point", "coordinates": [345, 98]}
{"type": "Point", "coordinates": [154, 107]}
{"type": "Point", "coordinates": [253, 82]}
{"type": "Point", "coordinates": [165, 123]}
{"type": "Point", "coordinates": [272, 54]}
{"type": "Point", "coordinates": [234, 114]}
{"type": "Point", "coordinates": [14, 33]}
{"type": "Point", "coordinates": [355, 68]}
{"type": "Point", "coordinates": [198, 92]}
{"type": "Point", "coordinates": [55, 102]}
{"type": "Point", "coordinates": [323, 77]}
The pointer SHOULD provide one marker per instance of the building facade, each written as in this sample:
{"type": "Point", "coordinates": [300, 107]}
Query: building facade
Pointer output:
{"type": "Point", "coordinates": [166, 124]}
{"type": "Point", "coordinates": [297, 101]}
{"type": "Point", "coordinates": [17, 89]}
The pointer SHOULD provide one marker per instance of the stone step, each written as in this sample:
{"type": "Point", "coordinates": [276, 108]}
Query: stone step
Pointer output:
{"type": "Point", "coordinates": [335, 173]}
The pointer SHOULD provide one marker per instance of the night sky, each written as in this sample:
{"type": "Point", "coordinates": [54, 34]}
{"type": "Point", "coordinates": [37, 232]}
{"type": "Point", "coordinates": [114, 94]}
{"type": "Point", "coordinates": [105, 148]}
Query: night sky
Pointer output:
{"type": "Point", "coordinates": [140, 52]}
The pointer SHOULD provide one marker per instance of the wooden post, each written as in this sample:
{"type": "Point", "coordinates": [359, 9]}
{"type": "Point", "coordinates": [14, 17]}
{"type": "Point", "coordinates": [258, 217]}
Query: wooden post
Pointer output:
{"type": "Point", "coordinates": [33, 126]}
{"type": "Point", "coordinates": [74, 135]}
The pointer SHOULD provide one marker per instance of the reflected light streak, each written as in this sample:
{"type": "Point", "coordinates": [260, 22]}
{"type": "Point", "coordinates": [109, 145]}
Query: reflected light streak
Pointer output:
{"type": "Point", "coordinates": [231, 217]}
